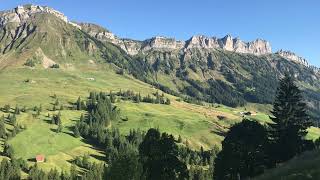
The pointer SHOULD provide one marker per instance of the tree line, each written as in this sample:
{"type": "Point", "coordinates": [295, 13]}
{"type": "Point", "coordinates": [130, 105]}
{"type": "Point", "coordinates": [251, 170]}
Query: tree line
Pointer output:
{"type": "Point", "coordinates": [128, 95]}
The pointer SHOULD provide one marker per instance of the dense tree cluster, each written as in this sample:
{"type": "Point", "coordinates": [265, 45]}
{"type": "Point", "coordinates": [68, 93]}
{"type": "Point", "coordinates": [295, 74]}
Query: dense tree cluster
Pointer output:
{"type": "Point", "coordinates": [249, 147]}
{"type": "Point", "coordinates": [136, 97]}
{"type": "Point", "coordinates": [137, 155]}
{"type": "Point", "coordinates": [217, 92]}
{"type": "Point", "coordinates": [11, 170]}
{"type": "Point", "coordinates": [11, 119]}
{"type": "Point", "coordinates": [100, 114]}
{"type": "Point", "coordinates": [128, 95]}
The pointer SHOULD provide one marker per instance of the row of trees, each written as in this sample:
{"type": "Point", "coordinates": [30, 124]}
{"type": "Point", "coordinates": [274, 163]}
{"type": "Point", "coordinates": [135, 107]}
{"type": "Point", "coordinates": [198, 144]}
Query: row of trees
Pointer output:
{"type": "Point", "coordinates": [136, 97]}
{"type": "Point", "coordinates": [126, 96]}
{"type": "Point", "coordinates": [249, 147]}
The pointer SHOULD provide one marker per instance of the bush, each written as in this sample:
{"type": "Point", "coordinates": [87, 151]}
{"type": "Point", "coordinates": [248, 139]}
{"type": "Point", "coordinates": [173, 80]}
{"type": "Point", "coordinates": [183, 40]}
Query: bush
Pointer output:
{"type": "Point", "coordinates": [30, 63]}
{"type": "Point", "coordinates": [56, 66]}
{"type": "Point", "coordinates": [120, 71]}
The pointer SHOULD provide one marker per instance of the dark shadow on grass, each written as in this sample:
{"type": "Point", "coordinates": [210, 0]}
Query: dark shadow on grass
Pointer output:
{"type": "Point", "coordinates": [94, 145]}
{"type": "Point", "coordinates": [98, 157]}
{"type": "Point", "coordinates": [54, 130]}
{"type": "Point", "coordinates": [220, 133]}
{"type": "Point", "coordinates": [32, 160]}
{"type": "Point", "coordinates": [48, 120]}
{"type": "Point", "coordinates": [69, 133]}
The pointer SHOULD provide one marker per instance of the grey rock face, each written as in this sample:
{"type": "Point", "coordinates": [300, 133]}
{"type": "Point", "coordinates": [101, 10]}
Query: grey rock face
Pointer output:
{"type": "Point", "coordinates": [293, 57]}
{"type": "Point", "coordinates": [132, 47]}
{"type": "Point", "coordinates": [21, 13]}
{"type": "Point", "coordinates": [257, 47]}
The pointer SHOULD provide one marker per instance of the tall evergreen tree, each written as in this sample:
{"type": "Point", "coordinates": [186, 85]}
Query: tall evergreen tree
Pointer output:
{"type": "Point", "coordinates": [2, 127]}
{"type": "Point", "coordinates": [126, 166]}
{"type": "Point", "coordinates": [76, 132]}
{"type": "Point", "coordinates": [78, 104]}
{"type": "Point", "coordinates": [17, 110]}
{"type": "Point", "coordinates": [159, 155]}
{"type": "Point", "coordinates": [290, 121]}
{"type": "Point", "coordinates": [243, 152]}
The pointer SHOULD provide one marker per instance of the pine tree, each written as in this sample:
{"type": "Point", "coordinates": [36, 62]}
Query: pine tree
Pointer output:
{"type": "Point", "coordinates": [8, 150]}
{"type": "Point", "coordinates": [112, 97]}
{"type": "Point", "coordinates": [59, 128]}
{"type": "Point", "coordinates": [57, 102]}
{"type": "Point", "coordinates": [290, 121]}
{"type": "Point", "coordinates": [243, 152]}
{"type": "Point", "coordinates": [12, 118]}
{"type": "Point", "coordinates": [38, 112]}
{"type": "Point", "coordinates": [73, 171]}
{"type": "Point", "coordinates": [78, 103]}
{"type": "Point", "coordinates": [2, 128]}
{"type": "Point", "coordinates": [168, 102]}
{"type": "Point", "coordinates": [6, 108]}
{"type": "Point", "coordinates": [179, 139]}
{"type": "Point", "coordinates": [17, 110]}
{"type": "Point", "coordinates": [76, 131]}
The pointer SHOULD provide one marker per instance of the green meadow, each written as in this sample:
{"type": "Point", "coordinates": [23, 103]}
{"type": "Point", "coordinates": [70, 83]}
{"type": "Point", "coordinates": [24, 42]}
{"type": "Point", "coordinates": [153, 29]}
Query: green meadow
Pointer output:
{"type": "Point", "coordinates": [198, 125]}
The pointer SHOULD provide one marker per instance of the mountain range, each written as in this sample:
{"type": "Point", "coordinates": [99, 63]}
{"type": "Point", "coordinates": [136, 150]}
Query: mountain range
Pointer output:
{"type": "Point", "coordinates": [201, 69]}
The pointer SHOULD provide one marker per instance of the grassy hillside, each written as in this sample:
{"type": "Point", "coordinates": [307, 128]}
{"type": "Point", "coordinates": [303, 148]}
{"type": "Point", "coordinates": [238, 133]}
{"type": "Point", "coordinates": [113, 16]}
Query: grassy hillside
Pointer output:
{"type": "Point", "coordinates": [86, 65]}
{"type": "Point", "coordinates": [196, 124]}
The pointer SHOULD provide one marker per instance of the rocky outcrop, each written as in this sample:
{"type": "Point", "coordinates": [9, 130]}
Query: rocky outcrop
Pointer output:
{"type": "Point", "coordinates": [257, 47]}
{"type": "Point", "coordinates": [21, 13]}
{"type": "Point", "coordinates": [293, 57]}
{"type": "Point", "coordinates": [132, 47]}
{"type": "Point", "coordinates": [161, 42]}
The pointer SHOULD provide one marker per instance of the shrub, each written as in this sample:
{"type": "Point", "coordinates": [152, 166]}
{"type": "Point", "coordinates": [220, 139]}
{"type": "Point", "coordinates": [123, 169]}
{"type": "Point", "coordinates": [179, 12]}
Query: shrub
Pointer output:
{"type": "Point", "coordinates": [56, 66]}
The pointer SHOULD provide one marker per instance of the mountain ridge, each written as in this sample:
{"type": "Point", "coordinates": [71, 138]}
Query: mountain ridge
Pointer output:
{"type": "Point", "coordinates": [134, 47]}
{"type": "Point", "coordinates": [200, 69]}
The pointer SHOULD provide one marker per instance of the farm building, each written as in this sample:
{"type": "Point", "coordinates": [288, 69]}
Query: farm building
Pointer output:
{"type": "Point", "coordinates": [40, 158]}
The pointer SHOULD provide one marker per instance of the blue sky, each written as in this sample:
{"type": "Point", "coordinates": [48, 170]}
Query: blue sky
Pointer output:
{"type": "Point", "coordinates": [288, 24]}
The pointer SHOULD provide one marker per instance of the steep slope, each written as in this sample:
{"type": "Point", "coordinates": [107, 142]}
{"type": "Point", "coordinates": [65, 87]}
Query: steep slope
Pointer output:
{"type": "Point", "coordinates": [226, 70]}
{"type": "Point", "coordinates": [26, 30]}
{"type": "Point", "coordinates": [220, 70]}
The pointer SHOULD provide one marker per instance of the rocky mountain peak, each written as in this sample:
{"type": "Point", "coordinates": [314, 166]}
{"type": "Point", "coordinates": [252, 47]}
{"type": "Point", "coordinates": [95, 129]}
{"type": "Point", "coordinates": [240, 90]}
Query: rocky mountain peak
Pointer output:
{"type": "Point", "coordinates": [20, 14]}
{"type": "Point", "coordinates": [257, 47]}
{"type": "Point", "coordinates": [132, 47]}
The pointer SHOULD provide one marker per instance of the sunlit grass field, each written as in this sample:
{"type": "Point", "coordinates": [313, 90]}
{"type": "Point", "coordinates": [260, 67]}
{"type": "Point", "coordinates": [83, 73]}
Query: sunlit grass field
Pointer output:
{"type": "Point", "coordinates": [198, 125]}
